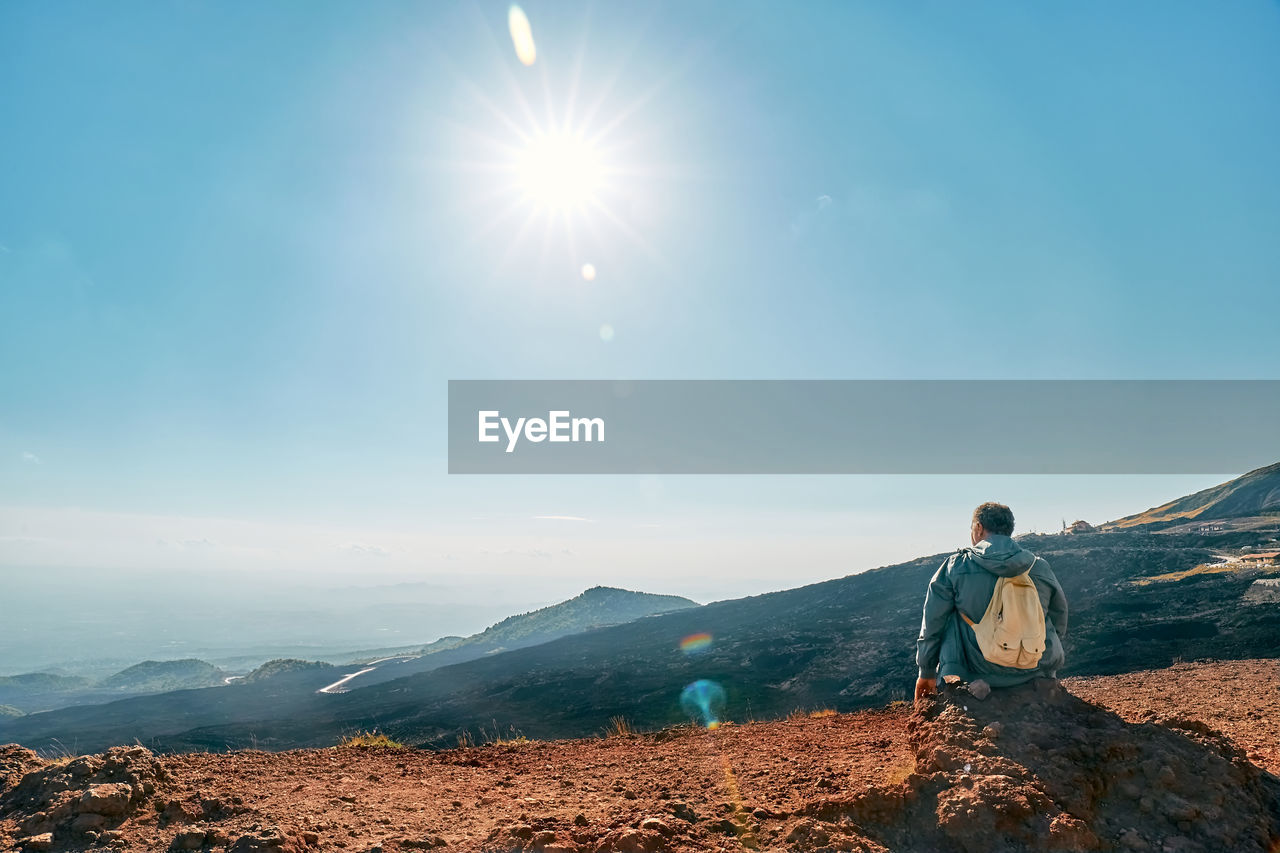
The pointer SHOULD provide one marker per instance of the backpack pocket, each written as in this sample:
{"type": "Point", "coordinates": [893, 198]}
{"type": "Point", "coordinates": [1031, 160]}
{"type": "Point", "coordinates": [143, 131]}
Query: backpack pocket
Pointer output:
{"type": "Point", "coordinates": [1012, 631]}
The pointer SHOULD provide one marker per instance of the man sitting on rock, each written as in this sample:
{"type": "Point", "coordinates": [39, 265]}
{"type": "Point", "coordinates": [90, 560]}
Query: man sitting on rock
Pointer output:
{"type": "Point", "coordinates": [994, 614]}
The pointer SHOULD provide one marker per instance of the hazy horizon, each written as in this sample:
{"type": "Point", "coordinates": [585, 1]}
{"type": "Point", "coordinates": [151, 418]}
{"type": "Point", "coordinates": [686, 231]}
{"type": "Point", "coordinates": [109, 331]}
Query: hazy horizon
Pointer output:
{"type": "Point", "coordinates": [236, 609]}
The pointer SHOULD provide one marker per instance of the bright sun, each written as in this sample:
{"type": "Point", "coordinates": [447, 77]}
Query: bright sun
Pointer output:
{"type": "Point", "coordinates": [558, 161]}
{"type": "Point", "coordinates": [560, 171]}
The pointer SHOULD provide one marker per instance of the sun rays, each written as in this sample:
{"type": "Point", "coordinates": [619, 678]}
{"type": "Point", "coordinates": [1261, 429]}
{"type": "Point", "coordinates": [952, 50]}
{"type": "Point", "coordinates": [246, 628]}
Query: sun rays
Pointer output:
{"type": "Point", "coordinates": [557, 168]}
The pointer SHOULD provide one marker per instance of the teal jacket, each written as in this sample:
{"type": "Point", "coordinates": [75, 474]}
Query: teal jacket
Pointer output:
{"type": "Point", "coordinates": [966, 580]}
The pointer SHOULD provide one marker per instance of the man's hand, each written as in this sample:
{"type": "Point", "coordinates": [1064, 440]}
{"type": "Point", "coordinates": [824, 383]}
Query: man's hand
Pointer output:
{"type": "Point", "coordinates": [925, 687]}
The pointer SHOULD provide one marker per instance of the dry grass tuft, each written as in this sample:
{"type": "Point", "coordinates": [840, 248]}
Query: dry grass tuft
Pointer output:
{"type": "Point", "coordinates": [373, 739]}
{"type": "Point", "coordinates": [619, 727]}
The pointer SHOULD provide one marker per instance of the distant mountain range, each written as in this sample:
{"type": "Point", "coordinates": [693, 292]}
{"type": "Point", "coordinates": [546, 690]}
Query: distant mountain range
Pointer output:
{"type": "Point", "coordinates": [1139, 597]}
{"type": "Point", "coordinates": [1255, 494]}
{"type": "Point", "coordinates": [598, 607]}
{"type": "Point", "coordinates": [594, 608]}
{"type": "Point", "coordinates": [36, 691]}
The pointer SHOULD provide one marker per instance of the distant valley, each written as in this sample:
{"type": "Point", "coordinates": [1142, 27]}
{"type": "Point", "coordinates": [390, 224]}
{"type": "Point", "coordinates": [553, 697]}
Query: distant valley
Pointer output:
{"type": "Point", "coordinates": [598, 607]}
{"type": "Point", "coordinates": [1141, 597]}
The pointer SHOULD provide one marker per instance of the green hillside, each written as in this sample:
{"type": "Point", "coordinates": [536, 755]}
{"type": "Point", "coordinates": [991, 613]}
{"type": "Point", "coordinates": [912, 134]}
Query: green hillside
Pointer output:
{"type": "Point", "coordinates": [153, 676]}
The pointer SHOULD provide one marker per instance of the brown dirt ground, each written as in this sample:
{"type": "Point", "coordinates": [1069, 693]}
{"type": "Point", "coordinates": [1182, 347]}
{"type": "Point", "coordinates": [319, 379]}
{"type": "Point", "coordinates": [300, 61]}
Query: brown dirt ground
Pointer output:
{"type": "Point", "coordinates": [771, 785]}
{"type": "Point", "coordinates": [361, 798]}
{"type": "Point", "coordinates": [1241, 699]}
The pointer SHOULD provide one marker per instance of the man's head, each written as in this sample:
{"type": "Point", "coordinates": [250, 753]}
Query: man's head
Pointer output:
{"type": "Point", "coordinates": [991, 518]}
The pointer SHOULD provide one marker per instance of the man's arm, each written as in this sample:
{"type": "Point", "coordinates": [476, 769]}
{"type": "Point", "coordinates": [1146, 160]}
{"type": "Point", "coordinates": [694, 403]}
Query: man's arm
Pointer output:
{"type": "Point", "coordinates": [939, 601]}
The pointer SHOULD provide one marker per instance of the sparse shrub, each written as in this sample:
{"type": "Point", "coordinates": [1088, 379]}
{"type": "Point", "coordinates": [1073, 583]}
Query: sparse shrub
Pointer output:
{"type": "Point", "coordinates": [466, 739]}
{"type": "Point", "coordinates": [510, 737]}
{"type": "Point", "coordinates": [822, 712]}
{"type": "Point", "coordinates": [56, 753]}
{"type": "Point", "coordinates": [371, 739]}
{"type": "Point", "coordinates": [619, 726]}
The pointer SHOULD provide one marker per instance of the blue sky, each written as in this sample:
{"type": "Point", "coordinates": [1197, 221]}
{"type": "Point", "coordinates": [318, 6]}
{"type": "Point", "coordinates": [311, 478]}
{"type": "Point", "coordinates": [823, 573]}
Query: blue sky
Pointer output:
{"type": "Point", "coordinates": [244, 245]}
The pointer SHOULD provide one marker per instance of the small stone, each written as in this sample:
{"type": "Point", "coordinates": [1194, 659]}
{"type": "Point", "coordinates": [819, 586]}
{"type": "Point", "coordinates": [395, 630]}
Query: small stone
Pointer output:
{"type": "Point", "coordinates": [993, 730]}
{"type": "Point", "coordinates": [87, 822]}
{"type": "Point", "coordinates": [1132, 840]}
{"type": "Point", "coordinates": [979, 689]}
{"type": "Point", "coordinates": [655, 824]}
{"type": "Point", "coordinates": [82, 766]}
{"type": "Point", "coordinates": [632, 841]}
{"type": "Point", "coordinates": [1180, 844]}
{"type": "Point", "coordinates": [683, 811]}
{"type": "Point", "coordinates": [807, 830]}
{"type": "Point", "coordinates": [725, 826]}
{"type": "Point", "coordinates": [1179, 810]}
{"type": "Point", "coordinates": [43, 841]}
{"type": "Point", "coordinates": [191, 839]}
{"type": "Point", "coordinates": [579, 819]}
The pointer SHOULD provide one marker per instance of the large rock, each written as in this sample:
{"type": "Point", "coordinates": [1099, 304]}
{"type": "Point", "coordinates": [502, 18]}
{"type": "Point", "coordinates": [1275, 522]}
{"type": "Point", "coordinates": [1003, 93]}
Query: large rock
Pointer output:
{"type": "Point", "coordinates": [1035, 768]}
{"type": "Point", "coordinates": [43, 841]}
{"type": "Point", "coordinates": [110, 800]}
{"type": "Point", "coordinates": [81, 797]}
{"type": "Point", "coordinates": [16, 762]}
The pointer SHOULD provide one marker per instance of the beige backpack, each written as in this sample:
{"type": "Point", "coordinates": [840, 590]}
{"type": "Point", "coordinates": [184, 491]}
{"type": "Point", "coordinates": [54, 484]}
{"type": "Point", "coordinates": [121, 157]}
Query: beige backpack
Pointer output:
{"type": "Point", "coordinates": [1011, 632]}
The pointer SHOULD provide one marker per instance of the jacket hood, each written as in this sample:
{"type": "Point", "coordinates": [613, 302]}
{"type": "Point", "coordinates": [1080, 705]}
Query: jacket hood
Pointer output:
{"type": "Point", "coordinates": [1001, 556]}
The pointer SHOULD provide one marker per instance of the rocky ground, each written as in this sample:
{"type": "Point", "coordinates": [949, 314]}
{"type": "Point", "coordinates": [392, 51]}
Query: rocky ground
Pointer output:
{"type": "Point", "coordinates": [1240, 698]}
{"type": "Point", "coordinates": [1032, 768]}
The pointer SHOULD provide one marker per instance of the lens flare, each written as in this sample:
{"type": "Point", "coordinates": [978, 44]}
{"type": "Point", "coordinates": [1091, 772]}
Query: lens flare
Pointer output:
{"type": "Point", "coordinates": [703, 701]}
{"type": "Point", "coordinates": [606, 333]}
{"type": "Point", "coordinates": [521, 35]}
{"type": "Point", "coordinates": [695, 643]}
{"type": "Point", "coordinates": [589, 272]}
